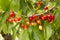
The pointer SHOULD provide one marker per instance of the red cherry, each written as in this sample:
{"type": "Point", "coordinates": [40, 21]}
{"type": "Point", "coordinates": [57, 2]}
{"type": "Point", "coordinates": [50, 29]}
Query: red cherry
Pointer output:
{"type": "Point", "coordinates": [43, 17]}
{"type": "Point", "coordinates": [40, 16]}
{"type": "Point", "coordinates": [49, 16]}
{"type": "Point", "coordinates": [30, 19]}
{"type": "Point", "coordinates": [45, 8]}
{"type": "Point", "coordinates": [52, 17]}
{"type": "Point", "coordinates": [37, 3]}
{"type": "Point", "coordinates": [22, 26]}
{"type": "Point", "coordinates": [49, 20]}
{"type": "Point", "coordinates": [15, 19]}
{"type": "Point", "coordinates": [18, 18]}
{"type": "Point", "coordinates": [10, 20]}
{"type": "Point", "coordinates": [11, 14]}
{"type": "Point", "coordinates": [34, 16]}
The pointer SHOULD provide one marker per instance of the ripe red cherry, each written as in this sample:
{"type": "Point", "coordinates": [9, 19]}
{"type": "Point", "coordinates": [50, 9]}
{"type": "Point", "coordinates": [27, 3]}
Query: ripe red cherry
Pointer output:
{"type": "Point", "coordinates": [18, 18]}
{"type": "Point", "coordinates": [34, 16]}
{"type": "Point", "coordinates": [40, 16]}
{"type": "Point", "coordinates": [43, 17]}
{"type": "Point", "coordinates": [49, 20]}
{"type": "Point", "coordinates": [11, 14]}
{"type": "Point", "coordinates": [45, 8]}
{"type": "Point", "coordinates": [10, 20]}
{"type": "Point", "coordinates": [15, 19]}
{"type": "Point", "coordinates": [49, 16]}
{"type": "Point", "coordinates": [23, 26]}
{"type": "Point", "coordinates": [30, 19]}
{"type": "Point", "coordinates": [52, 17]}
{"type": "Point", "coordinates": [37, 3]}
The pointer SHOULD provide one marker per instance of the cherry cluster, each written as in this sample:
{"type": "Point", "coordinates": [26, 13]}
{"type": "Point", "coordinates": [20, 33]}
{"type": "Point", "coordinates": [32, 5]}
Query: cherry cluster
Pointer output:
{"type": "Point", "coordinates": [32, 20]}
{"type": "Point", "coordinates": [48, 17]}
{"type": "Point", "coordinates": [39, 3]}
{"type": "Point", "coordinates": [11, 18]}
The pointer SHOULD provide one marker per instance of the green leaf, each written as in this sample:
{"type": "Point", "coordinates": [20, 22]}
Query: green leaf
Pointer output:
{"type": "Point", "coordinates": [30, 5]}
{"type": "Point", "coordinates": [47, 31]}
{"type": "Point", "coordinates": [5, 4]}
{"type": "Point", "coordinates": [15, 5]}
{"type": "Point", "coordinates": [23, 5]}
{"type": "Point", "coordinates": [24, 35]}
{"type": "Point", "coordinates": [37, 34]}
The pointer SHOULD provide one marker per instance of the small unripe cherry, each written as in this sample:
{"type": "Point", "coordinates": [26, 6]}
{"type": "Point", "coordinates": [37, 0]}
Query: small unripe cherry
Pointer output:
{"type": "Point", "coordinates": [38, 22]}
{"type": "Point", "coordinates": [25, 28]}
{"type": "Point", "coordinates": [37, 3]}
{"type": "Point", "coordinates": [40, 27]}
{"type": "Point", "coordinates": [45, 8]}
{"type": "Point", "coordinates": [27, 23]}
{"type": "Point", "coordinates": [33, 23]}
{"type": "Point", "coordinates": [11, 14]}
{"type": "Point", "coordinates": [11, 20]}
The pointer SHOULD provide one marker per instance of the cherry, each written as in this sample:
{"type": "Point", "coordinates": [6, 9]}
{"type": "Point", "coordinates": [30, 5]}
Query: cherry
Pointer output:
{"type": "Point", "coordinates": [40, 27]}
{"type": "Point", "coordinates": [52, 17]}
{"type": "Point", "coordinates": [45, 8]}
{"type": "Point", "coordinates": [40, 16]}
{"type": "Point", "coordinates": [37, 3]}
{"type": "Point", "coordinates": [18, 18]}
{"type": "Point", "coordinates": [38, 21]}
{"type": "Point", "coordinates": [43, 17]}
{"type": "Point", "coordinates": [23, 26]}
{"type": "Point", "coordinates": [26, 28]}
{"type": "Point", "coordinates": [11, 14]}
{"type": "Point", "coordinates": [49, 20]}
{"type": "Point", "coordinates": [30, 19]}
{"type": "Point", "coordinates": [49, 16]}
{"type": "Point", "coordinates": [27, 23]}
{"type": "Point", "coordinates": [33, 16]}
{"type": "Point", "coordinates": [33, 23]}
{"type": "Point", "coordinates": [15, 19]}
{"type": "Point", "coordinates": [10, 20]}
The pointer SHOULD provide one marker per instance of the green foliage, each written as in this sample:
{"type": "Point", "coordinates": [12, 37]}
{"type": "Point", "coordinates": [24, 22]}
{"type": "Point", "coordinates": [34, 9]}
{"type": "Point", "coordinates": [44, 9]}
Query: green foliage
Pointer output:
{"type": "Point", "coordinates": [25, 8]}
